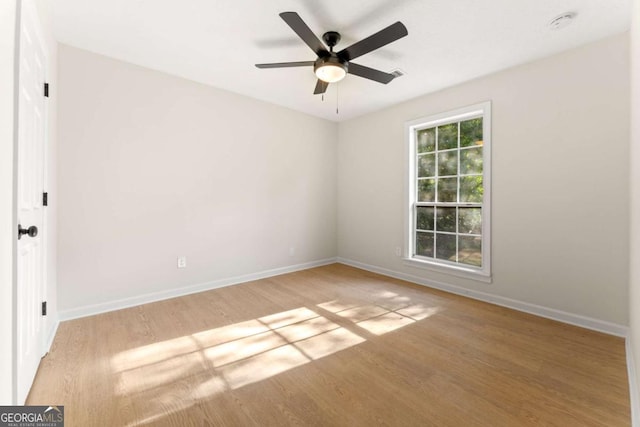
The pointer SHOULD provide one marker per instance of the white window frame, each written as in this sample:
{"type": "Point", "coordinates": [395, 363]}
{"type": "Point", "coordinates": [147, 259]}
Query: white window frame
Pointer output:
{"type": "Point", "coordinates": [483, 273]}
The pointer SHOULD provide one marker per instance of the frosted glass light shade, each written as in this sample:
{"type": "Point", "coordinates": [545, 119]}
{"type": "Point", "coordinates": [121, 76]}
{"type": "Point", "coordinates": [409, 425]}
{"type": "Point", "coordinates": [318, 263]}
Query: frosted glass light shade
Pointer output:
{"type": "Point", "coordinates": [330, 73]}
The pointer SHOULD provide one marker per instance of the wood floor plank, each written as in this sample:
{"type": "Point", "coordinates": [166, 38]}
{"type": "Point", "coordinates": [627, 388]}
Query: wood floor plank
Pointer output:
{"type": "Point", "coordinates": [331, 346]}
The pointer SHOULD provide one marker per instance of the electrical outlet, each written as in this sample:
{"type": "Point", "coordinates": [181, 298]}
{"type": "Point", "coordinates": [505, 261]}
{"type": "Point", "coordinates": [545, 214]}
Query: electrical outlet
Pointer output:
{"type": "Point", "coordinates": [292, 251]}
{"type": "Point", "coordinates": [398, 251]}
{"type": "Point", "coordinates": [182, 262]}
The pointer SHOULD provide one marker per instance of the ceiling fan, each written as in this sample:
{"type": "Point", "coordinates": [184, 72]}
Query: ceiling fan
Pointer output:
{"type": "Point", "coordinates": [331, 67]}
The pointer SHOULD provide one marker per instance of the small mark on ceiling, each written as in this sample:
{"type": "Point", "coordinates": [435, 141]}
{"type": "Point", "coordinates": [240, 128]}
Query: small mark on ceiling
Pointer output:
{"type": "Point", "coordinates": [561, 21]}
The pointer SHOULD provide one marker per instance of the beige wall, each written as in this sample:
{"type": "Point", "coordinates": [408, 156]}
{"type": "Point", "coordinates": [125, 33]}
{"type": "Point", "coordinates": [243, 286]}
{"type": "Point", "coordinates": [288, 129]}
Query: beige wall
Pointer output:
{"type": "Point", "coordinates": [560, 181]}
{"type": "Point", "coordinates": [7, 62]}
{"type": "Point", "coordinates": [634, 287]}
{"type": "Point", "coordinates": [152, 166]}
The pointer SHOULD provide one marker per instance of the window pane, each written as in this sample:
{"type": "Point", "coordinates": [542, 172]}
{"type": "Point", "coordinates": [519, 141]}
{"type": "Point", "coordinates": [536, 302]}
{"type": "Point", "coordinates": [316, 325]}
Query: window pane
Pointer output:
{"type": "Point", "coordinates": [427, 165]}
{"type": "Point", "coordinates": [446, 219]}
{"type": "Point", "coordinates": [426, 140]}
{"type": "Point", "coordinates": [446, 246]}
{"type": "Point", "coordinates": [426, 190]}
{"type": "Point", "coordinates": [447, 189]}
{"type": "Point", "coordinates": [470, 220]}
{"type": "Point", "coordinates": [424, 244]}
{"type": "Point", "coordinates": [470, 251]}
{"type": "Point", "coordinates": [471, 189]}
{"type": "Point", "coordinates": [448, 163]}
{"type": "Point", "coordinates": [424, 218]}
{"type": "Point", "coordinates": [471, 160]}
{"type": "Point", "coordinates": [448, 171]}
{"type": "Point", "coordinates": [471, 132]}
{"type": "Point", "coordinates": [448, 136]}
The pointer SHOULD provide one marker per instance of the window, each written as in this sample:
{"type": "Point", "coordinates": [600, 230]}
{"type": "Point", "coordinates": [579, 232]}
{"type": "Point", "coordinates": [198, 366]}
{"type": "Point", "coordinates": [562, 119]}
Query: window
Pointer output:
{"type": "Point", "coordinates": [448, 209]}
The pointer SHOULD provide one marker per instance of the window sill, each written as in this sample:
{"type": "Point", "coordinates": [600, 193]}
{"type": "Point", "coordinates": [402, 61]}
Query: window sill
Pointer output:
{"type": "Point", "coordinates": [462, 272]}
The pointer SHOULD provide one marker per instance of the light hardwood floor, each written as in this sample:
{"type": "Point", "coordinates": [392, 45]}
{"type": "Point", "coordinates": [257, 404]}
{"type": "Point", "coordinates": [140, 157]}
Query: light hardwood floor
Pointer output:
{"type": "Point", "coordinates": [331, 346]}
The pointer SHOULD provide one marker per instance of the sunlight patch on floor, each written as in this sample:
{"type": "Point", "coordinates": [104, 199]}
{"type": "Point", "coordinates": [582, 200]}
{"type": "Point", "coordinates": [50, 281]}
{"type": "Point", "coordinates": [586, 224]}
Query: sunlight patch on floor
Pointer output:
{"type": "Point", "coordinates": [234, 356]}
{"type": "Point", "coordinates": [263, 366]}
{"type": "Point", "coordinates": [289, 317]}
{"type": "Point", "coordinates": [336, 305]}
{"type": "Point", "coordinates": [391, 300]}
{"type": "Point", "coordinates": [209, 387]}
{"type": "Point", "coordinates": [419, 311]}
{"type": "Point", "coordinates": [243, 348]}
{"type": "Point", "coordinates": [229, 333]}
{"type": "Point", "coordinates": [157, 352]}
{"type": "Point", "coordinates": [328, 343]}
{"type": "Point", "coordinates": [152, 353]}
{"type": "Point", "coordinates": [379, 319]}
{"type": "Point", "coordinates": [307, 329]}
{"type": "Point", "coordinates": [156, 374]}
{"type": "Point", "coordinates": [364, 312]}
{"type": "Point", "coordinates": [385, 323]}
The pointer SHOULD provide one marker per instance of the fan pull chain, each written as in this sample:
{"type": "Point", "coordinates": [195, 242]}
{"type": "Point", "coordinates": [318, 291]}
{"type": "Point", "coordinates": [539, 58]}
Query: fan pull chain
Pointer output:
{"type": "Point", "coordinates": [337, 92]}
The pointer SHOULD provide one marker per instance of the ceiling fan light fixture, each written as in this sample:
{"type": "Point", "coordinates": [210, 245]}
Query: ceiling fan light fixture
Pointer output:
{"type": "Point", "coordinates": [330, 73]}
{"type": "Point", "coordinates": [330, 69]}
{"type": "Point", "coordinates": [330, 66]}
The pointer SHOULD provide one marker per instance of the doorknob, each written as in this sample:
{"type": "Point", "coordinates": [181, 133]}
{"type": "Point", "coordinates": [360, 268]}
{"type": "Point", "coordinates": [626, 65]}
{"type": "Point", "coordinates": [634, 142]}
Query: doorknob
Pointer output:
{"type": "Point", "coordinates": [31, 231]}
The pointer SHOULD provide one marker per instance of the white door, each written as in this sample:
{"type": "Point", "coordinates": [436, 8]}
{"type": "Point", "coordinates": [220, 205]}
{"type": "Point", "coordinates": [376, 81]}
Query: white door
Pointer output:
{"type": "Point", "coordinates": [31, 152]}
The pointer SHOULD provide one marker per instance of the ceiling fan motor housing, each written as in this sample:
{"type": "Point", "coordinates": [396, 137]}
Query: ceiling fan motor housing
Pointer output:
{"type": "Point", "coordinates": [331, 38]}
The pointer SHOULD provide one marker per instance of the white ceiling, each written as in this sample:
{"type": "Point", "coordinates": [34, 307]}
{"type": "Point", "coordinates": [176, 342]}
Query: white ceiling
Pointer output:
{"type": "Point", "coordinates": [217, 42]}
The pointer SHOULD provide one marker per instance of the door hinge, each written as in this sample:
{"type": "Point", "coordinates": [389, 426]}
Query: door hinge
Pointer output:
{"type": "Point", "coordinates": [46, 90]}
{"type": "Point", "coordinates": [44, 308]}
{"type": "Point", "coordinates": [45, 199]}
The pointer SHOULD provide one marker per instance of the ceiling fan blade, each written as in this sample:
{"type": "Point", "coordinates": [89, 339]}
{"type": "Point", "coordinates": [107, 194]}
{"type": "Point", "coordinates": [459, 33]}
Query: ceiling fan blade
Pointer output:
{"type": "Point", "coordinates": [321, 87]}
{"type": "Point", "coordinates": [383, 37]}
{"type": "Point", "coordinates": [285, 64]}
{"type": "Point", "coordinates": [370, 73]}
{"type": "Point", "coordinates": [304, 32]}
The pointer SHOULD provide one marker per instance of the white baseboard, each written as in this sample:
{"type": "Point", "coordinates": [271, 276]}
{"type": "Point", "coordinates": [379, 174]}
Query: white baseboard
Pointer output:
{"type": "Point", "coordinates": [90, 310]}
{"type": "Point", "coordinates": [538, 310]}
{"type": "Point", "coordinates": [550, 313]}
{"type": "Point", "coordinates": [633, 385]}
